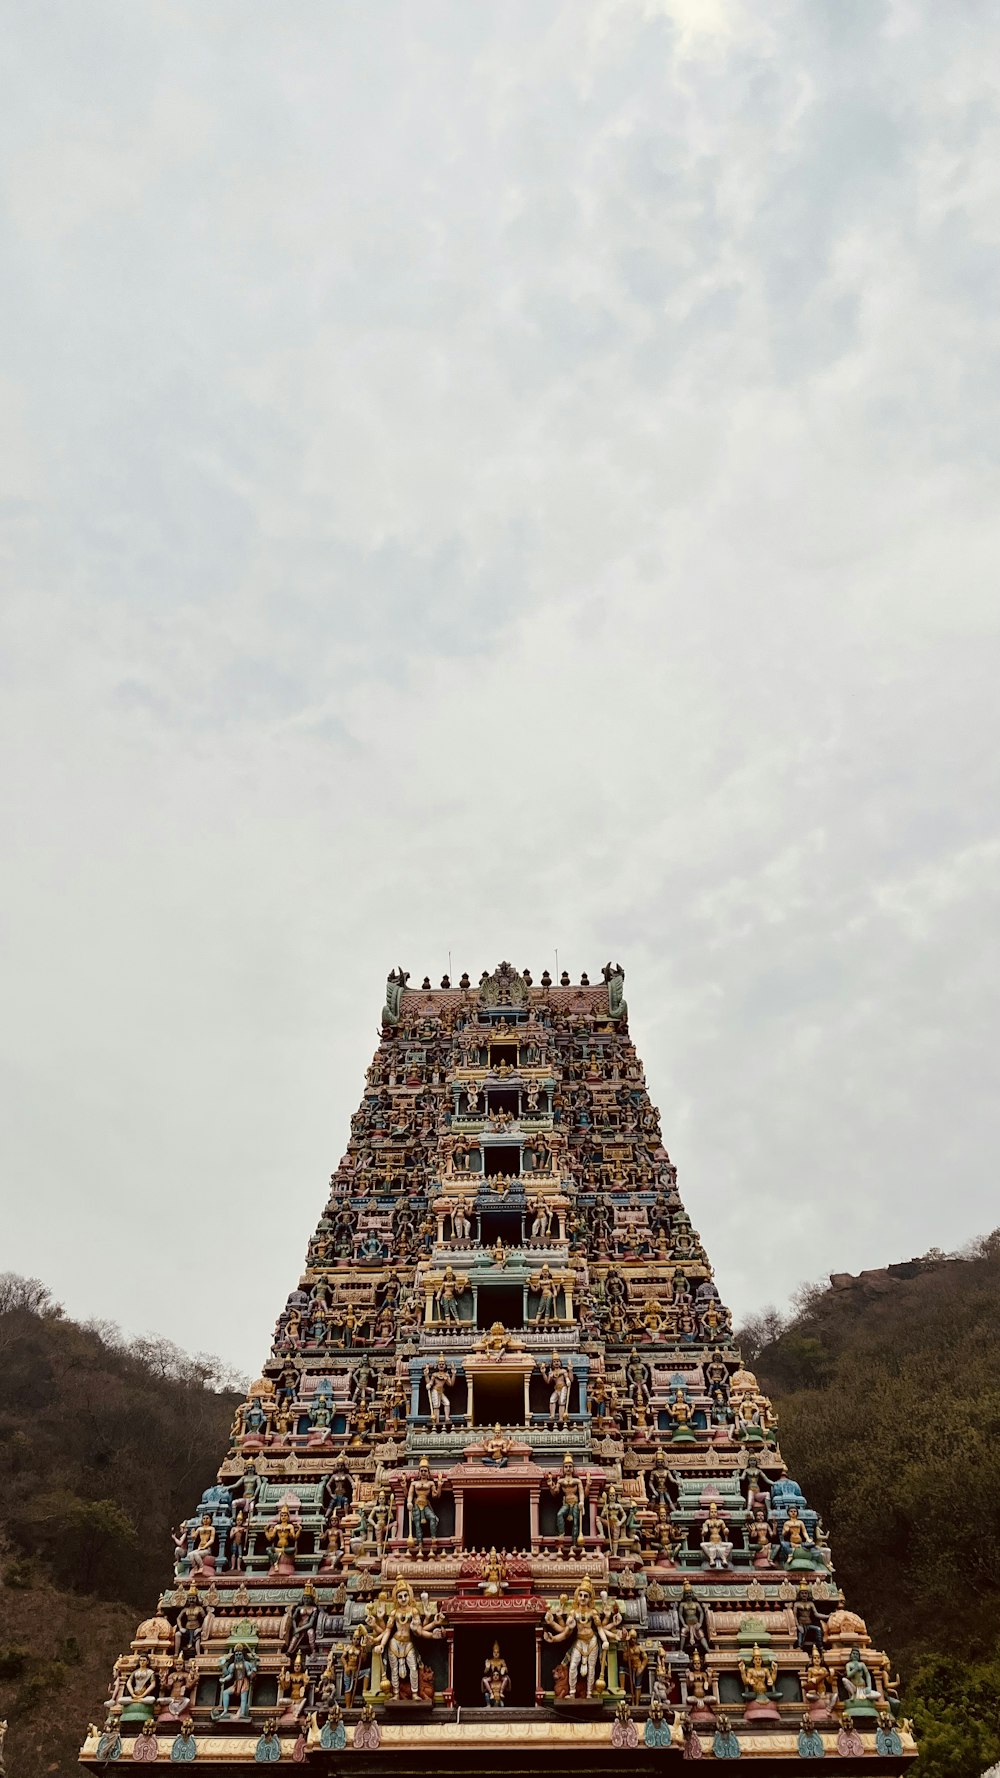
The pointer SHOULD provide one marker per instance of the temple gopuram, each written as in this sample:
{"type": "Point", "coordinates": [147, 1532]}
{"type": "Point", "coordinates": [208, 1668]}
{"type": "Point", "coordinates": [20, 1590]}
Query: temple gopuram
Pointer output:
{"type": "Point", "coordinates": [505, 1496]}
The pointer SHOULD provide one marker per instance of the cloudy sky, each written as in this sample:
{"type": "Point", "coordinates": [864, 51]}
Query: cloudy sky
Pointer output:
{"type": "Point", "coordinates": [482, 478]}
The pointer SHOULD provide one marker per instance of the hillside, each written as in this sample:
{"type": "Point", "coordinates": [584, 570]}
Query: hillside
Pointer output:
{"type": "Point", "coordinates": [104, 1444]}
{"type": "Point", "coordinates": [888, 1392]}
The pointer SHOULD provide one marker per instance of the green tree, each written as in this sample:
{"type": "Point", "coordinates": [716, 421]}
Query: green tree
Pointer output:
{"type": "Point", "coordinates": [956, 1714]}
{"type": "Point", "coordinates": [88, 1544]}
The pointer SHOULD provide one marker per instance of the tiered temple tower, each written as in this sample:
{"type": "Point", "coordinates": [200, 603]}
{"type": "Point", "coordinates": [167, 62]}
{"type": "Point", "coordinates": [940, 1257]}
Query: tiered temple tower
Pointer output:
{"type": "Point", "coordinates": [505, 1493]}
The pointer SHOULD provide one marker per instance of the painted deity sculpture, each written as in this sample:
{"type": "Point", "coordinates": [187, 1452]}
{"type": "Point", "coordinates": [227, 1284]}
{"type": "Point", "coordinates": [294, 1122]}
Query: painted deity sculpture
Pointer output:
{"type": "Point", "coordinates": [236, 1672]}
{"type": "Point", "coordinates": [582, 1629]}
{"type": "Point", "coordinates": [571, 1490]}
{"type": "Point", "coordinates": [406, 1620]}
{"type": "Point", "coordinates": [759, 1678]}
{"type": "Point", "coordinates": [559, 1379]}
{"type": "Point", "coordinates": [439, 1378]}
{"type": "Point", "coordinates": [495, 1684]}
{"type": "Point", "coordinates": [424, 1489]}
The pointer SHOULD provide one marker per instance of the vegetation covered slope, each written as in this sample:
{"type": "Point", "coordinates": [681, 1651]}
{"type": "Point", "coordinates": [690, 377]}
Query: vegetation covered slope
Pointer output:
{"type": "Point", "coordinates": [104, 1446]}
{"type": "Point", "coordinates": [888, 1393]}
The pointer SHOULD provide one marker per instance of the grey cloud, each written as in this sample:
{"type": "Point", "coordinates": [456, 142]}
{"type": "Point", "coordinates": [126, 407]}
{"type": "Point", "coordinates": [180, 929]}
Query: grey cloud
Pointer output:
{"type": "Point", "coordinates": [488, 480]}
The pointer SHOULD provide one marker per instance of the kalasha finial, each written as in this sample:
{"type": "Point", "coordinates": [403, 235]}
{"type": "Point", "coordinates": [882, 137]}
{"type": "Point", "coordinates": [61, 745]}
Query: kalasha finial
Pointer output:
{"type": "Point", "coordinates": [564, 979]}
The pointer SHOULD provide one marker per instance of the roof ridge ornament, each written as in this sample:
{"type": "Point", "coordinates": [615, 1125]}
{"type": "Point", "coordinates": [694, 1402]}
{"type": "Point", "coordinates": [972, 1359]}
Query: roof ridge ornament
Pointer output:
{"type": "Point", "coordinates": [614, 975]}
{"type": "Point", "coordinates": [395, 983]}
{"type": "Point", "coordinates": [505, 987]}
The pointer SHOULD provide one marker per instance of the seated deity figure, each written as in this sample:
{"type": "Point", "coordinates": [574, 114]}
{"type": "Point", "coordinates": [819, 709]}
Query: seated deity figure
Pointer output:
{"type": "Point", "coordinates": [495, 1684]}
{"type": "Point", "coordinates": [795, 1543]}
{"type": "Point", "coordinates": [293, 1689]}
{"type": "Point", "coordinates": [494, 1581]}
{"type": "Point", "coordinates": [700, 1688]}
{"type": "Point", "coordinates": [760, 1537]}
{"type": "Point", "coordinates": [320, 1419]}
{"type": "Point", "coordinates": [759, 1679]}
{"type": "Point", "coordinates": [720, 1412]}
{"type": "Point", "coordinates": [573, 1492]}
{"type": "Point", "coordinates": [496, 1449]}
{"type": "Point", "coordinates": [680, 1411]}
{"type": "Point", "coordinates": [716, 1543]}
{"type": "Point", "coordinates": [201, 1547]}
{"type": "Point", "coordinates": [139, 1691]}
{"type": "Point", "coordinates": [819, 1688]}
{"type": "Point", "coordinates": [857, 1678]}
{"type": "Point", "coordinates": [177, 1690]}
{"type": "Point", "coordinates": [283, 1536]}
{"type": "Point", "coordinates": [498, 1340]}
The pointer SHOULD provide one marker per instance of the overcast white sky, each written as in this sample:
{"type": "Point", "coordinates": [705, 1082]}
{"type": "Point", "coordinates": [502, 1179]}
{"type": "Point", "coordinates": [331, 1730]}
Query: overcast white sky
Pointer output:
{"type": "Point", "coordinates": [490, 477]}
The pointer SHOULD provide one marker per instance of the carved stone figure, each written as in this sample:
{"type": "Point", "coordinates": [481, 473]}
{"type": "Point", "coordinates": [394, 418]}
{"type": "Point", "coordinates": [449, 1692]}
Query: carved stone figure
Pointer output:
{"type": "Point", "coordinates": [495, 1685]}
{"type": "Point", "coordinates": [572, 1492]}
{"type": "Point", "coordinates": [581, 1627]}
{"type": "Point", "coordinates": [559, 1378]}
{"type": "Point", "coordinates": [439, 1378]}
